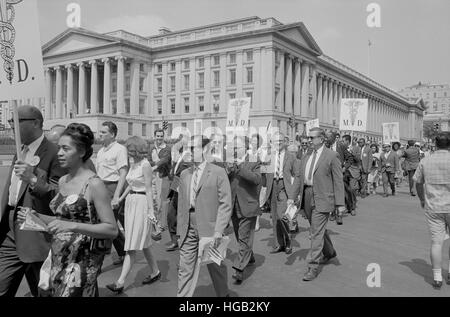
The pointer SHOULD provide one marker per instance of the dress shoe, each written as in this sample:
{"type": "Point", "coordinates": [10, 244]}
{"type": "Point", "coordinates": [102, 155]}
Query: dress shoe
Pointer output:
{"type": "Point", "coordinates": [149, 279]}
{"type": "Point", "coordinates": [238, 276]}
{"type": "Point", "coordinates": [437, 284]}
{"type": "Point", "coordinates": [288, 249]}
{"type": "Point", "coordinates": [114, 288]}
{"type": "Point", "coordinates": [277, 249]}
{"type": "Point", "coordinates": [339, 220]}
{"type": "Point", "coordinates": [310, 275]}
{"type": "Point", "coordinates": [326, 259]}
{"type": "Point", "coordinates": [118, 261]}
{"type": "Point", "coordinates": [172, 247]}
{"type": "Point", "coordinates": [252, 260]}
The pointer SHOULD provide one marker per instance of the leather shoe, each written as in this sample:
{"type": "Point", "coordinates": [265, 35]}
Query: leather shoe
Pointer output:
{"type": "Point", "coordinates": [437, 284]}
{"type": "Point", "coordinates": [172, 247]}
{"type": "Point", "coordinates": [238, 276]}
{"type": "Point", "coordinates": [339, 220]}
{"type": "Point", "coordinates": [113, 288]}
{"type": "Point", "coordinates": [277, 249]}
{"type": "Point", "coordinates": [252, 260]}
{"type": "Point", "coordinates": [412, 194]}
{"type": "Point", "coordinates": [118, 261]}
{"type": "Point", "coordinates": [310, 275]}
{"type": "Point", "coordinates": [288, 250]}
{"type": "Point", "coordinates": [326, 259]}
{"type": "Point", "coordinates": [149, 279]}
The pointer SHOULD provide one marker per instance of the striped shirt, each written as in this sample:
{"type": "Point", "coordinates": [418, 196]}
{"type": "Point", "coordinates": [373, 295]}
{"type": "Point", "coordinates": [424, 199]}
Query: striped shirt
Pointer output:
{"type": "Point", "coordinates": [434, 172]}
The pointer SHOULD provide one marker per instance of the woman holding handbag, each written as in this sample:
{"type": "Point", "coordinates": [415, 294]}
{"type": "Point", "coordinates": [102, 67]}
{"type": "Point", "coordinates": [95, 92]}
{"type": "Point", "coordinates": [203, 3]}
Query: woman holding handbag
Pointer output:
{"type": "Point", "coordinates": [84, 225]}
{"type": "Point", "coordinates": [140, 217]}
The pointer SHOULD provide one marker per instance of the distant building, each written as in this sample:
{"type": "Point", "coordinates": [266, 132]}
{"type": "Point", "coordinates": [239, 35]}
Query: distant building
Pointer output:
{"type": "Point", "coordinates": [435, 96]}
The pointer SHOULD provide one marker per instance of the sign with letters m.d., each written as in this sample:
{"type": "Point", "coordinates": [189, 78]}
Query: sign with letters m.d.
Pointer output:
{"type": "Point", "coordinates": [238, 116]}
{"type": "Point", "coordinates": [353, 115]}
{"type": "Point", "coordinates": [21, 66]}
{"type": "Point", "coordinates": [391, 132]}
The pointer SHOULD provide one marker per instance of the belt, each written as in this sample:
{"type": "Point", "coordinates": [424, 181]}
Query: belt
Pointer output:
{"type": "Point", "coordinates": [109, 182]}
{"type": "Point", "coordinates": [137, 193]}
{"type": "Point", "coordinates": [279, 179]}
{"type": "Point", "coordinates": [191, 209]}
{"type": "Point", "coordinates": [307, 186]}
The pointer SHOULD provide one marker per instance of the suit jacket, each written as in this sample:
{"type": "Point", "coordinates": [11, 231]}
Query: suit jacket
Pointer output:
{"type": "Point", "coordinates": [33, 246]}
{"type": "Point", "coordinates": [390, 163]}
{"type": "Point", "coordinates": [213, 203]}
{"type": "Point", "coordinates": [344, 155]}
{"type": "Point", "coordinates": [164, 163]}
{"type": "Point", "coordinates": [328, 184]}
{"type": "Point", "coordinates": [291, 170]}
{"type": "Point", "coordinates": [412, 158]}
{"type": "Point", "coordinates": [300, 153]}
{"type": "Point", "coordinates": [366, 160]}
{"type": "Point", "coordinates": [174, 176]}
{"type": "Point", "coordinates": [245, 184]}
{"type": "Point", "coordinates": [355, 166]}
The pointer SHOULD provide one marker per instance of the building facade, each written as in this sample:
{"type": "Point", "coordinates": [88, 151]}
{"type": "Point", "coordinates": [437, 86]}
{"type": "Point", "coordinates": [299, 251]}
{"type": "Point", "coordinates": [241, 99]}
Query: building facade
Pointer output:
{"type": "Point", "coordinates": [435, 96]}
{"type": "Point", "coordinates": [191, 74]}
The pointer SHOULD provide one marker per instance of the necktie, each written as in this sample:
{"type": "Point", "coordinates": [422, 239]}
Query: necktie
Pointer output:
{"type": "Point", "coordinates": [311, 168]}
{"type": "Point", "coordinates": [13, 189]}
{"type": "Point", "coordinates": [278, 172]}
{"type": "Point", "coordinates": [194, 186]}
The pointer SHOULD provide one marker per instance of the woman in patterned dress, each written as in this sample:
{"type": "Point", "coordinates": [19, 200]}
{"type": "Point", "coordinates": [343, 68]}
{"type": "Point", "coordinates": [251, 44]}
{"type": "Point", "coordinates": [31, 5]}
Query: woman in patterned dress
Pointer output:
{"type": "Point", "coordinates": [83, 217]}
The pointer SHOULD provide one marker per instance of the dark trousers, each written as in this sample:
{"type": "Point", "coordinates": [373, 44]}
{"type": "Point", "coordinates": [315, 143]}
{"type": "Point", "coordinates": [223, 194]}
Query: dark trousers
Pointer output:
{"type": "Point", "coordinates": [12, 270]}
{"type": "Point", "coordinates": [119, 241]}
{"type": "Point", "coordinates": [278, 204]}
{"type": "Point", "coordinates": [350, 195]}
{"type": "Point", "coordinates": [363, 183]}
{"type": "Point", "coordinates": [320, 240]}
{"type": "Point", "coordinates": [172, 216]}
{"type": "Point", "coordinates": [411, 181]}
{"type": "Point", "coordinates": [244, 230]}
{"type": "Point", "coordinates": [388, 179]}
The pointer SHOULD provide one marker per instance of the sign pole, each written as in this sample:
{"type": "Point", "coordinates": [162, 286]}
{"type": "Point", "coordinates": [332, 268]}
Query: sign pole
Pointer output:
{"type": "Point", "coordinates": [16, 128]}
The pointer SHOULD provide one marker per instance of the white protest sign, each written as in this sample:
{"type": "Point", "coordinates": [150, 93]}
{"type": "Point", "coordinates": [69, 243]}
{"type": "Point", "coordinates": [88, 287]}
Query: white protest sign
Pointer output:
{"type": "Point", "coordinates": [353, 115]}
{"type": "Point", "coordinates": [311, 124]}
{"type": "Point", "coordinates": [391, 132]}
{"type": "Point", "coordinates": [21, 66]}
{"type": "Point", "coordinates": [238, 114]}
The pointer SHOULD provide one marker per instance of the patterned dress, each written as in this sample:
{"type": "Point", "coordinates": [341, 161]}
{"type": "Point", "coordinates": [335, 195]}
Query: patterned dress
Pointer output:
{"type": "Point", "coordinates": [75, 267]}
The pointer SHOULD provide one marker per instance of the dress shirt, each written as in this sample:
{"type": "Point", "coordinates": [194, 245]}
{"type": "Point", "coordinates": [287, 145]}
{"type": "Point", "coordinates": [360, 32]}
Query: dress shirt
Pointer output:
{"type": "Point", "coordinates": [199, 170]}
{"type": "Point", "coordinates": [110, 160]}
{"type": "Point", "coordinates": [310, 182]}
{"type": "Point", "coordinates": [13, 192]}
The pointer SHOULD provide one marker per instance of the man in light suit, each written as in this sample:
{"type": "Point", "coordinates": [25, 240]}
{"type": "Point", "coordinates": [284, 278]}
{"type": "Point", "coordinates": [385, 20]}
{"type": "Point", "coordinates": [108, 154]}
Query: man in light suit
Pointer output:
{"type": "Point", "coordinates": [389, 166]}
{"type": "Point", "coordinates": [322, 191]}
{"type": "Point", "coordinates": [366, 161]}
{"type": "Point", "coordinates": [245, 180]}
{"type": "Point", "coordinates": [204, 210]}
{"type": "Point", "coordinates": [282, 190]}
{"type": "Point", "coordinates": [32, 182]}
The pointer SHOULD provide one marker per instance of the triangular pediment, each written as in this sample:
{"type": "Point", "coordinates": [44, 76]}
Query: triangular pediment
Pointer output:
{"type": "Point", "coordinates": [297, 32]}
{"type": "Point", "coordinates": [75, 40]}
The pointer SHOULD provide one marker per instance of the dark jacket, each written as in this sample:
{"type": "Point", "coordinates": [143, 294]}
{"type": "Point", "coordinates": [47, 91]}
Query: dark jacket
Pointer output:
{"type": "Point", "coordinates": [412, 158]}
{"type": "Point", "coordinates": [164, 163]}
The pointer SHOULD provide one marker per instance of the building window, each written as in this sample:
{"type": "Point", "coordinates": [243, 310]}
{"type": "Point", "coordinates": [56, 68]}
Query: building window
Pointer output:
{"type": "Point", "coordinates": [127, 67]}
{"type": "Point", "coordinates": [172, 83]}
{"type": "Point", "coordinates": [127, 83]}
{"type": "Point", "coordinates": [435, 95]}
{"type": "Point", "coordinates": [172, 106]}
{"type": "Point", "coordinates": [158, 84]}
{"type": "Point", "coordinates": [144, 129]}
{"type": "Point", "coordinates": [201, 103]}
{"type": "Point", "coordinates": [114, 106]}
{"type": "Point", "coordinates": [201, 62]}
{"type": "Point", "coordinates": [172, 66]}
{"type": "Point", "coordinates": [184, 124]}
{"type": "Point", "coordinates": [249, 56]}
{"type": "Point", "coordinates": [159, 68]}
{"type": "Point", "coordinates": [186, 82]}
{"type": "Point", "coordinates": [127, 105]}
{"type": "Point", "coordinates": [232, 57]}
{"type": "Point", "coordinates": [159, 106]}
{"type": "Point", "coordinates": [435, 106]}
{"type": "Point", "coordinates": [141, 67]}
{"type": "Point", "coordinates": [216, 60]}
{"type": "Point", "coordinates": [216, 102]}
{"type": "Point", "coordinates": [130, 128]}
{"type": "Point", "coordinates": [156, 127]}
{"type": "Point", "coordinates": [213, 124]}
{"type": "Point", "coordinates": [216, 78]}
{"type": "Point", "coordinates": [201, 80]}
{"type": "Point", "coordinates": [445, 94]}
{"type": "Point", "coordinates": [232, 96]}
{"type": "Point", "coordinates": [141, 84]}
{"type": "Point", "coordinates": [114, 86]}
{"type": "Point", "coordinates": [276, 99]}
{"type": "Point", "coordinates": [186, 105]}
{"type": "Point", "coordinates": [232, 77]}
{"type": "Point", "coordinates": [249, 94]}
{"type": "Point", "coordinates": [249, 75]}
{"type": "Point", "coordinates": [186, 64]}
{"type": "Point", "coordinates": [141, 106]}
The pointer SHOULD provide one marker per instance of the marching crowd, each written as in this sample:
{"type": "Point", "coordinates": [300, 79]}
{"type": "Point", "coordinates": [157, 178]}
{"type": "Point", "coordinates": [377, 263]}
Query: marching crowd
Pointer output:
{"type": "Point", "coordinates": [198, 187]}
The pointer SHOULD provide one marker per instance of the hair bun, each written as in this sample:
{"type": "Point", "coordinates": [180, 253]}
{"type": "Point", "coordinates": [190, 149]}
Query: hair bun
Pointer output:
{"type": "Point", "coordinates": [83, 138]}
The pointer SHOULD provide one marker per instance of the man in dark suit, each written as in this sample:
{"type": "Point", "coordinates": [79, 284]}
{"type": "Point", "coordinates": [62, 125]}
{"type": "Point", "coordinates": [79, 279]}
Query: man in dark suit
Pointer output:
{"type": "Point", "coordinates": [304, 148]}
{"type": "Point", "coordinates": [32, 182]}
{"type": "Point", "coordinates": [389, 166]}
{"type": "Point", "coordinates": [350, 195]}
{"type": "Point", "coordinates": [322, 188]}
{"type": "Point", "coordinates": [245, 181]}
{"type": "Point", "coordinates": [366, 161]}
{"type": "Point", "coordinates": [412, 159]}
{"type": "Point", "coordinates": [282, 190]}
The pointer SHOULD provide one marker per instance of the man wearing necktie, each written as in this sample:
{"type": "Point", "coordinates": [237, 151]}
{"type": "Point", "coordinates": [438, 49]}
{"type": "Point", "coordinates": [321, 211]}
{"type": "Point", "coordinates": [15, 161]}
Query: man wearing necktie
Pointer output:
{"type": "Point", "coordinates": [282, 190]}
{"type": "Point", "coordinates": [204, 210]}
{"type": "Point", "coordinates": [366, 161]}
{"type": "Point", "coordinates": [322, 189]}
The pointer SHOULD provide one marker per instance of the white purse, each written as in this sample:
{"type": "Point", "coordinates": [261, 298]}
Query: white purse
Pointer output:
{"type": "Point", "coordinates": [44, 274]}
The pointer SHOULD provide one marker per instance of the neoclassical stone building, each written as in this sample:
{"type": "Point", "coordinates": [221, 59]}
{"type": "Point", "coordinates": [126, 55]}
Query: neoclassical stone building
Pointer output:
{"type": "Point", "coordinates": [191, 74]}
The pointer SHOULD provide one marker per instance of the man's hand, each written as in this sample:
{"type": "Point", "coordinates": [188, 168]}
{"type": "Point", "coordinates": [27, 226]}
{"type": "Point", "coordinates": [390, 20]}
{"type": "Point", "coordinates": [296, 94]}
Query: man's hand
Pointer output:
{"type": "Point", "coordinates": [290, 202]}
{"type": "Point", "coordinates": [341, 210]}
{"type": "Point", "coordinates": [24, 171]}
{"type": "Point", "coordinates": [57, 226]}
{"type": "Point", "coordinates": [217, 239]}
{"type": "Point", "coordinates": [422, 203]}
{"type": "Point", "coordinates": [22, 214]}
{"type": "Point", "coordinates": [115, 202]}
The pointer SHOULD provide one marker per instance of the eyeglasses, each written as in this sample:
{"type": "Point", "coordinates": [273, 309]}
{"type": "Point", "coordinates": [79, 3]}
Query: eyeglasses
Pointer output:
{"type": "Point", "coordinates": [11, 121]}
{"type": "Point", "coordinates": [305, 143]}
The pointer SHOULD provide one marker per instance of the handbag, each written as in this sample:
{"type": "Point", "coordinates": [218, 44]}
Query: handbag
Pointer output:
{"type": "Point", "coordinates": [156, 231]}
{"type": "Point", "coordinates": [44, 274]}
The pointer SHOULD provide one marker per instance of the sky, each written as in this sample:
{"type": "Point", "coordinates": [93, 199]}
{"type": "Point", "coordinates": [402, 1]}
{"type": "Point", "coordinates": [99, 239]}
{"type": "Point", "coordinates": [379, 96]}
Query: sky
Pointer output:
{"type": "Point", "coordinates": [412, 43]}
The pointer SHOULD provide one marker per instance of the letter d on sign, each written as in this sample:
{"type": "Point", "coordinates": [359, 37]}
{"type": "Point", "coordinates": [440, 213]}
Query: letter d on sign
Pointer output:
{"type": "Point", "coordinates": [374, 278]}
{"type": "Point", "coordinates": [74, 18]}
{"type": "Point", "coordinates": [374, 18]}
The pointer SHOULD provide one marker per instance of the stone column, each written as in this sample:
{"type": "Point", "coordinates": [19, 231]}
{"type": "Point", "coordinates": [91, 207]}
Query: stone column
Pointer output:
{"type": "Point", "coordinates": [223, 82]}
{"type": "Point", "coordinates": [257, 53]}
{"type": "Point", "coordinates": [106, 86]}
{"type": "Point", "coordinates": [239, 75]}
{"type": "Point", "coordinates": [268, 82]}
{"type": "Point", "coordinates": [334, 113]}
{"type": "Point", "coordinates": [58, 100]}
{"type": "Point", "coordinates": [69, 90]}
{"type": "Point", "coordinates": [312, 92]}
{"type": "Point", "coordinates": [48, 94]}
{"type": "Point", "coordinates": [120, 85]}
{"type": "Point", "coordinates": [94, 87]}
{"type": "Point", "coordinates": [297, 87]}
{"type": "Point", "coordinates": [81, 89]}
{"type": "Point", "coordinates": [207, 83]}
{"type": "Point", "coordinates": [288, 85]}
{"type": "Point", "coordinates": [305, 90]}
{"type": "Point", "coordinates": [134, 93]}
{"type": "Point", "coordinates": [319, 104]}
{"type": "Point", "coordinates": [330, 101]}
{"type": "Point", "coordinates": [325, 104]}
{"type": "Point", "coordinates": [281, 77]}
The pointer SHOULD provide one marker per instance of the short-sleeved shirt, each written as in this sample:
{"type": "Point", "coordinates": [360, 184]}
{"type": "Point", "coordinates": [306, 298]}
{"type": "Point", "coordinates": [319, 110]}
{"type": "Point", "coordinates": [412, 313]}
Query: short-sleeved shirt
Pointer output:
{"type": "Point", "coordinates": [110, 160]}
{"type": "Point", "coordinates": [434, 172]}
